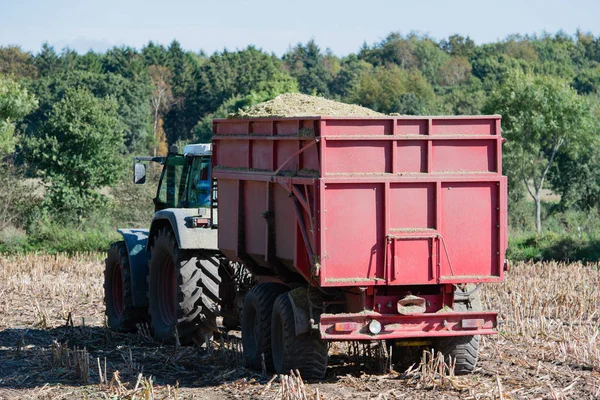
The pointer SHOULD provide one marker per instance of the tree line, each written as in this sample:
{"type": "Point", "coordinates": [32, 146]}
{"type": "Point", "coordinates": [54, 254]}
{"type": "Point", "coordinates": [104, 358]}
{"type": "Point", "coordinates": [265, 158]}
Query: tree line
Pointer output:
{"type": "Point", "coordinates": [71, 120]}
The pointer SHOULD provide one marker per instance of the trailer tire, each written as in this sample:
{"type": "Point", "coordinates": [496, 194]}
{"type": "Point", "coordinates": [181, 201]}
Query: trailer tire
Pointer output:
{"type": "Point", "coordinates": [256, 323]}
{"type": "Point", "coordinates": [120, 313]}
{"type": "Point", "coordinates": [464, 350]}
{"type": "Point", "coordinates": [180, 292]}
{"type": "Point", "coordinates": [306, 353]}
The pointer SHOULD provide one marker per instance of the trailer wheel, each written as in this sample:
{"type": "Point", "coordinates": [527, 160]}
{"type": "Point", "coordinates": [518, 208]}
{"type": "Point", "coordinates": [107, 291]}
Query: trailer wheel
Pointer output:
{"type": "Point", "coordinates": [464, 350]}
{"type": "Point", "coordinates": [181, 291]}
{"type": "Point", "coordinates": [306, 353]}
{"type": "Point", "coordinates": [256, 323]}
{"type": "Point", "coordinates": [121, 315]}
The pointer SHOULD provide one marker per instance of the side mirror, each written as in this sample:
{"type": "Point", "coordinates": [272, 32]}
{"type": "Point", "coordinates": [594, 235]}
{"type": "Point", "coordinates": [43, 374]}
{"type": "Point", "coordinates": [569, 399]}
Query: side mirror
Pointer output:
{"type": "Point", "coordinates": [139, 173]}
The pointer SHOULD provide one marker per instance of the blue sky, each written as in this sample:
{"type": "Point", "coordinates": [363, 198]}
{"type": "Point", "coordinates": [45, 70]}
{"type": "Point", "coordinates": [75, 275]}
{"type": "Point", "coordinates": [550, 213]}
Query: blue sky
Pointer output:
{"type": "Point", "coordinates": [274, 26]}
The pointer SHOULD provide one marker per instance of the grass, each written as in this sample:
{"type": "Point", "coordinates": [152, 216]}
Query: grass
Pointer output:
{"type": "Point", "coordinates": [51, 312]}
{"type": "Point", "coordinates": [54, 239]}
{"type": "Point", "coordinates": [553, 246]}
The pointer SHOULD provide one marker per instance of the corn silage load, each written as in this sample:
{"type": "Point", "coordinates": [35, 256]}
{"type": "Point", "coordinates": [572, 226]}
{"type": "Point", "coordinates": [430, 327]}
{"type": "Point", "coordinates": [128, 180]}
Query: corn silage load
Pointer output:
{"type": "Point", "coordinates": [302, 105]}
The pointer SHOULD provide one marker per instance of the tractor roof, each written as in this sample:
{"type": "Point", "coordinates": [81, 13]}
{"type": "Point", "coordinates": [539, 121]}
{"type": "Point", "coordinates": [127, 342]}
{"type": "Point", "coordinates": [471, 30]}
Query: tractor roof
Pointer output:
{"type": "Point", "coordinates": [203, 149]}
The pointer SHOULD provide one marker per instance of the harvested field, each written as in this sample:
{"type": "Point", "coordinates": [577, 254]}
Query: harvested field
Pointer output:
{"type": "Point", "coordinates": [302, 105]}
{"type": "Point", "coordinates": [53, 345]}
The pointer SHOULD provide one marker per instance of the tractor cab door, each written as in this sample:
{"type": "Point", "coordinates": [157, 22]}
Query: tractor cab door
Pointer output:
{"type": "Point", "coordinates": [185, 183]}
{"type": "Point", "coordinates": [200, 183]}
{"type": "Point", "coordinates": [171, 188]}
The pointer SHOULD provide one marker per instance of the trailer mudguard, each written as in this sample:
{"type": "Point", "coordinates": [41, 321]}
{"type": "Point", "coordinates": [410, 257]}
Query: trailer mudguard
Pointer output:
{"type": "Point", "coordinates": [188, 237]}
{"type": "Point", "coordinates": [302, 311]}
{"type": "Point", "coordinates": [136, 241]}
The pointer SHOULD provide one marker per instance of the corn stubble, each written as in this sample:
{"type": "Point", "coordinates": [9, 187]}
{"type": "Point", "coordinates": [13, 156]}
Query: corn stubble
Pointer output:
{"type": "Point", "coordinates": [548, 345]}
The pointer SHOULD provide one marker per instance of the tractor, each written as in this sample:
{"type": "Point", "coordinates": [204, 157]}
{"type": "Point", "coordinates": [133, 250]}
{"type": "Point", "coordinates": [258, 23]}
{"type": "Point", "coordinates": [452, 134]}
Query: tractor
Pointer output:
{"type": "Point", "coordinates": [170, 275]}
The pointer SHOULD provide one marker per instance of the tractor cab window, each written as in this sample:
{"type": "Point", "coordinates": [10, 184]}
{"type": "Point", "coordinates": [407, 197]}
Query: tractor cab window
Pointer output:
{"type": "Point", "coordinates": [200, 183]}
{"type": "Point", "coordinates": [171, 189]}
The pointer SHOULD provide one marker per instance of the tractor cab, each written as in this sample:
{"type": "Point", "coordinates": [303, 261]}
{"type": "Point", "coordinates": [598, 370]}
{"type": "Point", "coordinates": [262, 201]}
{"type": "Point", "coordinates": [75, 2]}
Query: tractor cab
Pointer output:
{"type": "Point", "coordinates": [185, 181]}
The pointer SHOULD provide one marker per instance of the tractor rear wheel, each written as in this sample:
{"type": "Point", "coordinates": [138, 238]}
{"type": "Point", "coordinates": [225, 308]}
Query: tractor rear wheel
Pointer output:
{"type": "Point", "coordinates": [464, 350]}
{"type": "Point", "coordinates": [121, 315]}
{"type": "Point", "coordinates": [306, 353]}
{"type": "Point", "coordinates": [182, 291]}
{"type": "Point", "coordinates": [256, 323]}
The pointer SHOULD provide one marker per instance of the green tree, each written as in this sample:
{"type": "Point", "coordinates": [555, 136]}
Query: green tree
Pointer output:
{"type": "Point", "coordinates": [125, 61]}
{"type": "Point", "coordinates": [346, 81]}
{"type": "Point", "coordinates": [47, 61]}
{"type": "Point", "coordinates": [410, 52]}
{"type": "Point", "coordinates": [91, 62]}
{"type": "Point", "coordinates": [466, 99]}
{"type": "Point", "coordinates": [455, 71]}
{"type": "Point", "coordinates": [576, 173]}
{"type": "Point", "coordinates": [231, 80]}
{"type": "Point", "coordinates": [542, 116]}
{"type": "Point", "coordinates": [458, 46]}
{"type": "Point", "coordinates": [15, 103]}
{"type": "Point", "coordinates": [308, 65]}
{"type": "Point", "coordinates": [392, 89]}
{"type": "Point", "coordinates": [77, 151]}
{"type": "Point", "coordinates": [587, 81]}
{"type": "Point", "coordinates": [184, 113]}
{"type": "Point", "coordinates": [17, 63]}
{"type": "Point", "coordinates": [69, 59]}
{"type": "Point", "coordinates": [154, 54]}
{"type": "Point", "coordinates": [131, 95]}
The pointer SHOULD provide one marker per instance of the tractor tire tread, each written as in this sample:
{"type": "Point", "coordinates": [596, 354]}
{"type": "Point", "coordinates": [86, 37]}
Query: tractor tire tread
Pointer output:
{"type": "Point", "coordinates": [193, 318]}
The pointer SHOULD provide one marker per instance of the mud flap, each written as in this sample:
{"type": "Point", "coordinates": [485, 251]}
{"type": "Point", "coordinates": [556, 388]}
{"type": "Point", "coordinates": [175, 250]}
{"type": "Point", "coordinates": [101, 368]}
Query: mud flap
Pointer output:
{"type": "Point", "coordinates": [301, 310]}
{"type": "Point", "coordinates": [135, 240]}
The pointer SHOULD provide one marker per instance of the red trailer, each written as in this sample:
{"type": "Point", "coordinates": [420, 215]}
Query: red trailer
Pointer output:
{"type": "Point", "coordinates": [362, 229]}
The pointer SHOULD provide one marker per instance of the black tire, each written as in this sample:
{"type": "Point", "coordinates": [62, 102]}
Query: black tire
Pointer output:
{"type": "Point", "coordinates": [306, 353]}
{"type": "Point", "coordinates": [208, 263]}
{"type": "Point", "coordinates": [121, 315]}
{"type": "Point", "coordinates": [181, 293]}
{"type": "Point", "coordinates": [464, 350]}
{"type": "Point", "coordinates": [235, 282]}
{"type": "Point", "coordinates": [256, 323]}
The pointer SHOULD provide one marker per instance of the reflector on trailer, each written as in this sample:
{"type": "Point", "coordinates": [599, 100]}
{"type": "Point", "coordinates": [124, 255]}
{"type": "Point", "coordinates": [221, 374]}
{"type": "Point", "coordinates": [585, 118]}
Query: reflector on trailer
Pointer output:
{"type": "Point", "coordinates": [472, 323]}
{"type": "Point", "coordinates": [346, 326]}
